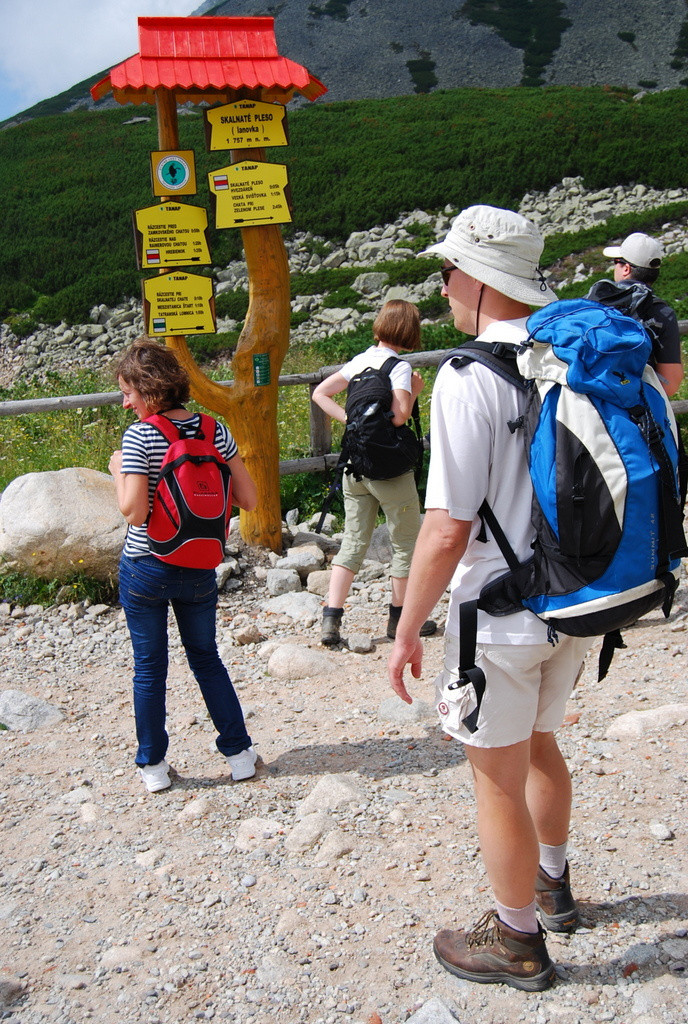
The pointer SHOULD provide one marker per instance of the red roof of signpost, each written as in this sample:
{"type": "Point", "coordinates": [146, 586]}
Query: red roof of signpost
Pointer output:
{"type": "Point", "coordinates": [204, 59]}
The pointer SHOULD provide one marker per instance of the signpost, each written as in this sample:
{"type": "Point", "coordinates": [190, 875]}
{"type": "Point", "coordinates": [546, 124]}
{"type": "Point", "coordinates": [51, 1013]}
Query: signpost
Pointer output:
{"type": "Point", "coordinates": [250, 192]}
{"type": "Point", "coordinates": [247, 124]}
{"type": "Point", "coordinates": [178, 304]}
{"type": "Point", "coordinates": [233, 62]}
{"type": "Point", "coordinates": [173, 171]}
{"type": "Point", "coordinates": [171, 235]}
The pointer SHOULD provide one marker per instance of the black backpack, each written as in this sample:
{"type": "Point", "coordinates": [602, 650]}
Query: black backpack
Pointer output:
{"type": "Point", "coordinates": [372, 446]}
{"type": "Point", "coordinates": [633, 298]}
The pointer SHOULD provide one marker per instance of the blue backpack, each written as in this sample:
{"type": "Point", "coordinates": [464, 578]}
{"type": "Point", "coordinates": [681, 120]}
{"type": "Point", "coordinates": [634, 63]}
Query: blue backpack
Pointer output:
{"type": "Point", "coordinates": [607, 504]}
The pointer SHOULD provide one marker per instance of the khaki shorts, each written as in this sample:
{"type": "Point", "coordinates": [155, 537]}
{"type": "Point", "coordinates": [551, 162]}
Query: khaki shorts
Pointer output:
{"type": "Point", "coordinates": [527, 687]}
{"type": "Point", "coordinates": [398, 499]}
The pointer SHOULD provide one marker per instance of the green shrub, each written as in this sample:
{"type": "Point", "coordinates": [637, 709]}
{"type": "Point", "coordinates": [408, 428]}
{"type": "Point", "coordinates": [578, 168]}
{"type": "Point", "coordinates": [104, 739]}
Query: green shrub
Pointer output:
{"type": "Point", "coordinates": [323, 280]}
{"type": "Point", "coordinates": [296, 319]}
{"type": "Point", "coordinates": [207, 347]}
{"type": "Point", "coordinates": [344, 297]}
{"type": "Point", "coordinates": [432, 307]}
{"type": "Point", "coordinates": [24, 589]}
{"type": "Point", "coordinates": [15, 297]}
{"type": "Point", "coordinates": [307, 492]}
{"type": "Point", "coordinates": [22, 324]}
{"type": "Point", "coordinates": [232, 305]}
{"type": "Point", "coordinates": [74, 303]}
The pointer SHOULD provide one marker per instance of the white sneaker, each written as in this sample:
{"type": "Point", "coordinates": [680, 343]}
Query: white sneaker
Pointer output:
{"type": "Point", "coordinates": [156, 776]}
{"type": "Point", "coordinates": [243, 765]}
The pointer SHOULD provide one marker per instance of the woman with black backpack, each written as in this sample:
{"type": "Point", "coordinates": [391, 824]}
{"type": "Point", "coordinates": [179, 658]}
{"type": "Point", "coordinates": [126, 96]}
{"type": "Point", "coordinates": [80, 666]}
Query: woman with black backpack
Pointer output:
{"type": "Point", "coordinates": [396, 328]}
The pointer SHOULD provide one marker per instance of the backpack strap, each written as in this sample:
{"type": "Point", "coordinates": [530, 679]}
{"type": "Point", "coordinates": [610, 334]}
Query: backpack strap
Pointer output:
{"type": "Point", "coordinates": [334, 487]}
{"type": "Point", "coordinates": [468, 620]}
{"type": "Point", "coordinates": [389, 365]}
{"type": "Point", "coordinates": [501, 359]}
{"type": "Point", "coordinates": [497, 356]}
{"type": "Point", "coordinates": [164, 426]}
{"type": "Point", "coordinates": [171, 432]}
{"type": "Point", "coordinates": [468, 670]}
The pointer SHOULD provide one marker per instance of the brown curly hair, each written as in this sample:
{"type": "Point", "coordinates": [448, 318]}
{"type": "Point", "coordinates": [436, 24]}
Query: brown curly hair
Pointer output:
{"type": "Point", "coordinates": [156, 374]}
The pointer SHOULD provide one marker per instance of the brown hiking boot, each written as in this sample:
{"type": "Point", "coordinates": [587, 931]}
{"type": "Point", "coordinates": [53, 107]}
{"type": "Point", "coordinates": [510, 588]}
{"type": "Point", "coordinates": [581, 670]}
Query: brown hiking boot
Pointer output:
{"type": "Point", "coordinates": [492, 952]}
{"type": "Point", "coordinates": [332, 620]}
{"type": "Point", "coordinates": [556, 905]}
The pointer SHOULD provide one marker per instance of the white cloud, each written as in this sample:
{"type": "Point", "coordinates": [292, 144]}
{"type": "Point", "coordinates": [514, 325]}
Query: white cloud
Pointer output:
{"type": "Point", "coordinates": [46, 46]}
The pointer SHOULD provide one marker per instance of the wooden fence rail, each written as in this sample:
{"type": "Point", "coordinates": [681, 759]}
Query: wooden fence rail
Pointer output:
{"type": "Point", "coordinates": [321, 457]}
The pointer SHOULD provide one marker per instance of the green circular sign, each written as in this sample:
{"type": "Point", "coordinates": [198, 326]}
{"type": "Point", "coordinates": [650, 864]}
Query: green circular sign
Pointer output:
{"type": "Point", "coordinates": [173, 172]}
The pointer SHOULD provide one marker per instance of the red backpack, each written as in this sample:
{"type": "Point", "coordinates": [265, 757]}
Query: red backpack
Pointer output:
{"type": "Point", "coordinates": [192, 504]}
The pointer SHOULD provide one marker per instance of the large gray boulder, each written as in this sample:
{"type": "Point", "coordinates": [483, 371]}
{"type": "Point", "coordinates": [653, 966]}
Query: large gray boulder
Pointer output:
{"type": "Point", "coordinates": [62, 521]}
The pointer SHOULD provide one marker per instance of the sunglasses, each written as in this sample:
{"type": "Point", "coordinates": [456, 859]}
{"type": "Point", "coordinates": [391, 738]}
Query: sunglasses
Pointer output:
{"type": "Point", "coordinates": [445, 272]}
{"type": "Point", "coordinates": [620, 260]}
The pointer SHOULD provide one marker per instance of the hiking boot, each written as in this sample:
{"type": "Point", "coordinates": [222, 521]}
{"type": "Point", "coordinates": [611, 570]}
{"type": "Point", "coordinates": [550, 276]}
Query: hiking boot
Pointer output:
{"type": "Point", "coordinates": [156, 776]}
{"type": "Point", "coordinates": [243, 764]}
{"type": "Point", "coordinates": [492, 952]}
{"type": "Point", "coordinates": [556, 905]}
{"type": "Point", "coordinates": [332, 620]}
{"type": "Point", "coordinates": [427, 629]}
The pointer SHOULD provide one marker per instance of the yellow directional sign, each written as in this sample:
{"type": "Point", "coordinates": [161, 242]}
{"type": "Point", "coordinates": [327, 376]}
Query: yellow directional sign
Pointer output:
{"type": "Point", "coordinates": [173, 172]}
{"type": "Point", "coordinates": [171, 235]}
{"type": "Point", "coordinates": [246, 125]}
{"type": "Point", "coordinates": [177, 303]}
{"type": "Point", "coordinates": [250, 192]}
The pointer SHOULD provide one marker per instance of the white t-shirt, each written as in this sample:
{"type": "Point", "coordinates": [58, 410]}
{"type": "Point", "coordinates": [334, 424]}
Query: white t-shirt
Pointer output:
{"type": "Point", "coordinates": [374, 357]}
{"type": "Point", "coordinates": [474, 456]}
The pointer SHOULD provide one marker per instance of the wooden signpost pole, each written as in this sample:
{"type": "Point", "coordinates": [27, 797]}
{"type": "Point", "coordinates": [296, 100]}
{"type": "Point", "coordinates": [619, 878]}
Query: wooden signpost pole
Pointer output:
{"type": "Point", "coordinates": [236, 58]}
{"type": "Point", "coordinates": [250, 409]}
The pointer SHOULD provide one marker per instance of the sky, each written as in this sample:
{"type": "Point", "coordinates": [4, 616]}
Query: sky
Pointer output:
{"type": "Point", "coordinates": [46, 46]}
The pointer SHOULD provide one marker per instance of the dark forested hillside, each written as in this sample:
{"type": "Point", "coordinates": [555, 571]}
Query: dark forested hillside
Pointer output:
{"type": "Point", "coordinates": [70, 182]}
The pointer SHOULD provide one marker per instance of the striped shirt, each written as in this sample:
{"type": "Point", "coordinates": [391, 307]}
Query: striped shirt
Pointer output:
{"type": "Point", "coordinates": [143, 450]}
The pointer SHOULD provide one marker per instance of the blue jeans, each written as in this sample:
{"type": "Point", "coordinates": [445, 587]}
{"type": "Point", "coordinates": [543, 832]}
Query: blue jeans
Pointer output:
{"type": "Point", "coordinates": [146, 587]}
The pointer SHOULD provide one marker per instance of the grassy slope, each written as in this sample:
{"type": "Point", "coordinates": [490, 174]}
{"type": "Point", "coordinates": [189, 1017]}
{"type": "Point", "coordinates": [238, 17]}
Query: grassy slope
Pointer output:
{"type": "Point", "coordinates": [70, 182]}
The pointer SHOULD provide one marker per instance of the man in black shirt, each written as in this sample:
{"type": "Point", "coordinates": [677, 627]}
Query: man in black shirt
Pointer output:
{"type": "Point", "coordinates": [638, 259]}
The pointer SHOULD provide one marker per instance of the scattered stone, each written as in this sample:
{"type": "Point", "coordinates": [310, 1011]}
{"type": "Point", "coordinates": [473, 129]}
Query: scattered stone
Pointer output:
{"type": "Point", "coordinates": [293, 661]}
{"type": "Point", "coordinates": [638, 724]}
{"type": "Point", "coordinates": [360, 643]}
{"type": "Point", "coordinates": [395, 710]}
{"type": "Point", "coordinates": [22, 712]}
{"type": "Point", "coordinates": [332, 793]}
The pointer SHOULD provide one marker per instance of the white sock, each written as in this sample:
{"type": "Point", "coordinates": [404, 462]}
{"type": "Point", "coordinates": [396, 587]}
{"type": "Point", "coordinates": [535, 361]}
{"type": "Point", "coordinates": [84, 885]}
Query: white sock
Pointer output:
{"type": "Point", "coordinates": [553, 859]}
{"type": "Point", "coordinates": [523, 920]}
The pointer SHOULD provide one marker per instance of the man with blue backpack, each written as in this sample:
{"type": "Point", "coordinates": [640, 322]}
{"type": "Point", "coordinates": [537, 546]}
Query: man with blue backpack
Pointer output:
{"type": "Point", "coordinates": [530, 586]}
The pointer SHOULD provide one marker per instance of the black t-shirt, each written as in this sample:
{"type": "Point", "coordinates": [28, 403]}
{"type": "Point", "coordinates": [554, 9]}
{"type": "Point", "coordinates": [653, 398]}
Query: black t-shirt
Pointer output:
{"type": "Point", "coordinates": [666, 346]}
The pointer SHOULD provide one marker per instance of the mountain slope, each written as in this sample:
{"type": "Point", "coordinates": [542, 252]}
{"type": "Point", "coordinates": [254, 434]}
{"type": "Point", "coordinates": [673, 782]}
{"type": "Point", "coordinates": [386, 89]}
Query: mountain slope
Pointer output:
{"type": "Point", "coordinates": [380, 48]}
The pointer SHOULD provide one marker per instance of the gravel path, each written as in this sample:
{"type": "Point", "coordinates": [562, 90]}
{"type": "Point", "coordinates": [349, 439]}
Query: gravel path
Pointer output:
{"type": "Point", "coordinates": [311, 893]}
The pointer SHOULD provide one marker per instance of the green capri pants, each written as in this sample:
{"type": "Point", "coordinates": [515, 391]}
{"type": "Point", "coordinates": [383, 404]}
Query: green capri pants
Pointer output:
{"type": "Point", "coordinates": [398, 499]}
